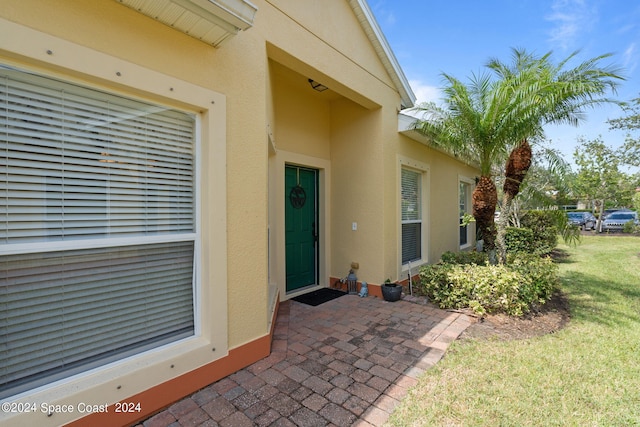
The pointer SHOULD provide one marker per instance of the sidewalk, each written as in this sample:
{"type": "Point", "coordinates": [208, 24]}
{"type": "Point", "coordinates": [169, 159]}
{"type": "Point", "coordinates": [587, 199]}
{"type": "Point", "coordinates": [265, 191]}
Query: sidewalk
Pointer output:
{"type": "Point", "coordinates": [346, 362]}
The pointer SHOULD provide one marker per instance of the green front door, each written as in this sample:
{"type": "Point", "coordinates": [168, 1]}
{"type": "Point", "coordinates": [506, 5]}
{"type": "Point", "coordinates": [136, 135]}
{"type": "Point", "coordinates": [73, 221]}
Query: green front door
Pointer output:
{"type": "Point", "coordinates": [301, 226]}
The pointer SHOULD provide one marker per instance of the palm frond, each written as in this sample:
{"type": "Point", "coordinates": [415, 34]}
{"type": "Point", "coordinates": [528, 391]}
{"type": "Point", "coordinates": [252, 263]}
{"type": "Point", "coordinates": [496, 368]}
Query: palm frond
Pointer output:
{"type": "Point", "coordinates": [494, 111]}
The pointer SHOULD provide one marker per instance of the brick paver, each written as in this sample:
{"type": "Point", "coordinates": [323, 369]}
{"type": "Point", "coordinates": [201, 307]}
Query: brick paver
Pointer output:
{"type": "Point", "coordinates": [346, 362]}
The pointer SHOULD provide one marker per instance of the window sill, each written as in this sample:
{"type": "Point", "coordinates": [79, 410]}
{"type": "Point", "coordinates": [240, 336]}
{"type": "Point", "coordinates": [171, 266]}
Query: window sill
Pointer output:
{"type": "Point", "coordinates": [415, 268]}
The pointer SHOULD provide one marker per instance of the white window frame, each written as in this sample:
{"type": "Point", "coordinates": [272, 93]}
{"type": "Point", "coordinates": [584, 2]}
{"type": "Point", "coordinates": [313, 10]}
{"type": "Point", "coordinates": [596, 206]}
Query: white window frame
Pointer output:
{"type": "Point", "coordinates": [469, 183]}
{"type": "Point", "coordinates": [86, 93]}
{"type": "Point", "coordinates": [143, 371]}
{"type": "Point", "coordinates": [424, 170]}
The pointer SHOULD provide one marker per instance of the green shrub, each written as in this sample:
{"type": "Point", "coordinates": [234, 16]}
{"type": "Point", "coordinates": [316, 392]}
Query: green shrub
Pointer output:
{"type": "Point", "coordinates": [628, 227]}
{"type": "Point", "coordinates": [519, 239]}
{"type": "Point", "coordinates": [525, 281]}
{"type": "Point", "coordinates": [540, 274]}
{"type": "Point", "coordinates": [471, 257]}
{"type": "Point", "coordinates": [631, 228]}
{"type": "Point", "coordinates": [545, 231]}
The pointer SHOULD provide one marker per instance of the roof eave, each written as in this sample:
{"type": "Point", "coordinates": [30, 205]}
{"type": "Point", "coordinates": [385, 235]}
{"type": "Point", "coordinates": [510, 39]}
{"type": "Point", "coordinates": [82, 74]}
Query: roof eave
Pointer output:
{"type": "Point", "coordinates": [405, 127]}
{"type": "Point", "coordinates": [382, 48]}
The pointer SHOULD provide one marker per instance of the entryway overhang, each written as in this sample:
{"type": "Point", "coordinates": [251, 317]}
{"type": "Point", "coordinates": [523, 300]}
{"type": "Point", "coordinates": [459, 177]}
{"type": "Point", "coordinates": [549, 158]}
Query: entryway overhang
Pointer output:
{"type": "Point", "coordinates": [211, 21]}
{"type": "Point", "coordinates": [405, 127]}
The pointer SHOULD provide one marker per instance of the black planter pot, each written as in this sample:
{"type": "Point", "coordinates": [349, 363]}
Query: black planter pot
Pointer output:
{"type": "Point", "coordinates": [391, 292]}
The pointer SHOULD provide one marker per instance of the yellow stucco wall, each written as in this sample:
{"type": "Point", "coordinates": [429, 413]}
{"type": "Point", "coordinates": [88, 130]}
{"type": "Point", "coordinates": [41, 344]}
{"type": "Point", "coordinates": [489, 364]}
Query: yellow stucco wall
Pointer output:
{"type": "Point", "coordinates": [109, 46]}
{"type": "Point", "coordinates": [445, 174]}
{"type": "Point", "coordinates": [357, 189]}
{"type": "Point", "coordinates": [238, 71]}
{"type": "Point", "coordinates": [328, 26]}
{"type": "Point", "coordinates": [302, 119]}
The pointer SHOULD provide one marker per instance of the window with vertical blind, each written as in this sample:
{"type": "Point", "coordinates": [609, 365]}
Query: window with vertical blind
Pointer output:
{"type": "Point", "coordinates": [411, 212]}
{"type": "Point", "coordinates": [97, 228]}
{"type": "Point", "coordinates": [463, 208]}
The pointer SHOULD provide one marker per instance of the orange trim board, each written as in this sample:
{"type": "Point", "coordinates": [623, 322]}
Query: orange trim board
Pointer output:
{"type": "Point", "coordinates": [374, 290]}
{"type": "Point", "coordinates": [156, 398]}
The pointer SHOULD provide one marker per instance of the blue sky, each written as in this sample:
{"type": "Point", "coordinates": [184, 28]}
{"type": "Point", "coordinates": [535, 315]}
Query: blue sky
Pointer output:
{"type": "Point", "coordinates": [458, 37]}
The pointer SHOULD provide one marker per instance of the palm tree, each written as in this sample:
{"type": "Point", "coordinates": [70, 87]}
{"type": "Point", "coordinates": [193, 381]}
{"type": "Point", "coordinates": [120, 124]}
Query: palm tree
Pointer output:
{"type": "Point", "coordinates": [496, 115]}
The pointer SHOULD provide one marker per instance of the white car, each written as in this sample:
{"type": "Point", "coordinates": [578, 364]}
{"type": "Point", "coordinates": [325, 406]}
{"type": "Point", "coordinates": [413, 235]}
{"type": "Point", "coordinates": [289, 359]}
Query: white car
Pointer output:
{"type": "Point", "coordinates": [616, 220]}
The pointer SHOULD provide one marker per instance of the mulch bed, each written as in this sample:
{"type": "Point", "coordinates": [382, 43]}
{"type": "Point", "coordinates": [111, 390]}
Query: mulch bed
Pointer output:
{"type": "Point", "coordinates": [547, 319]}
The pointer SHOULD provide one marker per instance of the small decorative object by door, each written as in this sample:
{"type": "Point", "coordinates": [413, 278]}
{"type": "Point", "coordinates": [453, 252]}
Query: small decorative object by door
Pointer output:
{"type": "Point", "coordinates": [364, 290]}
{"type": "Point", "coordinates": [352, 282]}
{"type": "Point", "coordinates": [391, 291]}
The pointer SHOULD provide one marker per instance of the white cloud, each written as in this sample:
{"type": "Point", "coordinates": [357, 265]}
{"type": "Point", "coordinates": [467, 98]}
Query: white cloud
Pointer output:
{"type": "Point", "coordinates": [425, 92]}
{"type": "Point", "coordinates": [570, 19]}
{"type": "Point", "coordinates": [630, 58]}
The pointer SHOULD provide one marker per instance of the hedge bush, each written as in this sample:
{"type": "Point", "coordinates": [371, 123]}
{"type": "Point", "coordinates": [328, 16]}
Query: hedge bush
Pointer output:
{"type": "Point", "coordinates": [545, 231]}
{"type": "Point", "coordinates": [525, 281]}
{"type": "Point", "coordinates": [471, 257]}
{"type": "Point", "coordinates": [540, 274]}
{"type": "Point", "coordinates": [519, 239]}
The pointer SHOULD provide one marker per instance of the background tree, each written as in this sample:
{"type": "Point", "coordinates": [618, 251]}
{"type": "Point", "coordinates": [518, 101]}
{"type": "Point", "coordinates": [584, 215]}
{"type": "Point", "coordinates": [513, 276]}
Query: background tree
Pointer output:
{"type": "Point", "coordinates": [598, 178]}
{"type": "Point", "coordinates": [630, 151]}
{"type": "Point", "coordinates": [546, 186]}
{"type": "Point", "coordinates": [496, 115]}
{"type": "Point", "coordinates": [636, 200]}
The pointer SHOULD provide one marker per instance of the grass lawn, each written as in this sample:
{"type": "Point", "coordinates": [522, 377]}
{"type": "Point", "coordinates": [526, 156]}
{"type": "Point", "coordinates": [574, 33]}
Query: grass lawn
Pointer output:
{"type": "Point", "coordinates": [587, 374]}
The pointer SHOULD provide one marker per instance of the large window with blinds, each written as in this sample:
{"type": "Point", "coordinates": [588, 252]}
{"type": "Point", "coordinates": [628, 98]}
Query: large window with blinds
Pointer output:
{"type": "Point", "coordinates": [97, 228]}
{"type": "Point", "coordinates": [411, 212]}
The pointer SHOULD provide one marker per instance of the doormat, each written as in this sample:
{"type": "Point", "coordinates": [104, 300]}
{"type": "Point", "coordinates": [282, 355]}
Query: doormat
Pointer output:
{"type": "Point", "coordinates": [320, 296]}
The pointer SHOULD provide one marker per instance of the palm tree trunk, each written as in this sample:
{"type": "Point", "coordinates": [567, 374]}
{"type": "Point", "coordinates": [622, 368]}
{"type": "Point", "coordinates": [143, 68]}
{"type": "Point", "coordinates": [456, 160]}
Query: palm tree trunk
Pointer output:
{"type": "Point", "coordinates": [485, 198]}
{"type": "Point", "coordinates": [515, 172]}
{"type": "Point", "coordinates": [503, 222]}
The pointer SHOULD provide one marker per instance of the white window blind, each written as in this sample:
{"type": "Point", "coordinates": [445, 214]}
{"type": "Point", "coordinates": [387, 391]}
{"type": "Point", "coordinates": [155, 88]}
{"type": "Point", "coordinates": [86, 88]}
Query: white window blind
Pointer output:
{"type": "Point", "coordinates": [411, 193]}
{"type": "Point", "coordinates": [82, 165]}
{"type": "Point", "coordinates": [463, 208]}
{"type": "Point", "coordinates": [79, 163]}
{"type": "Point", "coordinates": [68, 311]}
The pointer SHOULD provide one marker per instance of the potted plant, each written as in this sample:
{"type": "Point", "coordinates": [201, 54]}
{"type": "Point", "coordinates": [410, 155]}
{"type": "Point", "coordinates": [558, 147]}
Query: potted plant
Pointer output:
{"type": "Point", "coordinates": [391, 291]}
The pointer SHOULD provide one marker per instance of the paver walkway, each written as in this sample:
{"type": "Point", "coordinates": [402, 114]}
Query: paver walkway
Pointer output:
{"type": "Point", "coordinates": [346, 362]}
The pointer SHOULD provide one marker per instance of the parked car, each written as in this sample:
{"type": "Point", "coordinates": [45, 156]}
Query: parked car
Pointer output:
{"type": "Point", "coordinates": [584, 220]}
{"type": "Point", "coordinates": [616, 220]}
{"type": "Point", "coordinates": [608, 212]}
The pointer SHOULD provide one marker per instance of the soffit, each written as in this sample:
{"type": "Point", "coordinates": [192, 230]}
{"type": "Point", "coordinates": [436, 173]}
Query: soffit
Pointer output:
{"type": "Point", "coordinates": [211, 21]}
